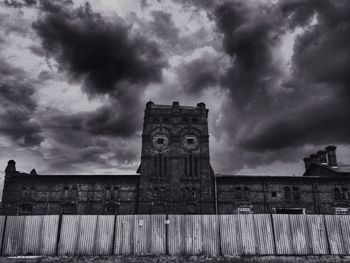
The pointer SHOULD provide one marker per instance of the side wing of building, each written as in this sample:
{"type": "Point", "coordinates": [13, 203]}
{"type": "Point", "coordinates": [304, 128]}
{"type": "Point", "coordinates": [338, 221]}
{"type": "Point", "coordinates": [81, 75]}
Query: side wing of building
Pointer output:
{"type": "Point", "coordinates": [70, 194]}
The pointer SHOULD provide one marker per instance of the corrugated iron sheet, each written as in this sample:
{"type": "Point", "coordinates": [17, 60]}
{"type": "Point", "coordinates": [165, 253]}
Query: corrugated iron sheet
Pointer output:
{"type": "Point", "coordinates": [345, 230]}
{"type": "Point", "coordinates": [283, 241]}
{"type": "Point", "coordinates": [317, 234]}
{"type": "Point", "coordinates": [104, 235]}
{"type": "Point", "coordinates": [264, 235]}
{"type": "Point", "coordinates": [86, 235]}
{"type": "Point", "coordinates": [49, 229]}
{"type": "Point", "coordinates": [300, 234]}
{"type": "Point", "coordinates": [335, 239]}
{"type": "Point", "coordinates": [246, 234]}
{"type": "Point", "coordinates": [31, 235]}
{"type": "Point", "coordinates": [2, 228]}
{"type": "Point", "coordinates": [142, 231]}
{"type": "Point", "coordinates": [193, 235]}
{"type": "Point", "coordinates": [124, 233]}
{"type": "Point", "coordinates": [229, 234]}
{"type": "Point", "coordinates": [176, 233]}
{"type": "Point", "coordinates": [69, 234]}
{"type": "Point", "coordinates": [13, 239]}
{"type": "Point", "coordinates": [158, 235]}
{"type": "Point", "coordinates": [210, 232]}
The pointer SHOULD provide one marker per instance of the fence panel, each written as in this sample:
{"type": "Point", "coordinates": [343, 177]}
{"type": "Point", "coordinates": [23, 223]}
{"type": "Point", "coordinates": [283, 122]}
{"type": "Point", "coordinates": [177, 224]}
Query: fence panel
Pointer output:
{"type": "Point", "coordinates": [300, 234]}
{"type": "Point", "coordinates": [104, 235]}
{"type": "Point", "coordinates": [210, 232]}
{"type": "Point", "coordinates": [69, 234]}
{"type": "Point", "coordinates": [281, 226]}
{"type": "Point", "coordinates": [13, 240]}
{"type": "Point", "coordinates": [142, 230]}
{"type": "Point", "coordinates": [246, 232]}
{"type": "Point", "coordinates": [334, 234]}
{"type": "Point", "coordinates": [49, 230]}
{"type": "Point", "coordinates": [86, 235]}
{"type": "Point", "coordinates": [124, 235]}
{"type": "Point", "coordinates": [2, 228]}
{"type": "Point", "coordinates": [31, 235]}
{"type": "Point", "coordinates": [318, 237]}
{"type": "Point", "coordinates": [264, 235]}
{"type": "Point", "coordinates": [158, 236]}
{"type": "Point", "coordinates": [193, 235]}
{"type": "Point", "coordinates": [345, 230]}
{"type": "Point", "coordinates": [229, 235]}
{"type": "Point", "coordinates": [176, 233]}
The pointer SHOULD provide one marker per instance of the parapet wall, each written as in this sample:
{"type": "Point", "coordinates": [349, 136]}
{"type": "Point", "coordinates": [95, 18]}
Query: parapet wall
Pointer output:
{"type": "Point", "coordinates": [258, 234]}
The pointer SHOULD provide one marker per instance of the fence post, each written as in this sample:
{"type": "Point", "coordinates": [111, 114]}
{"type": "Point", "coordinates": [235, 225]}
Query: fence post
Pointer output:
{"type": "Point", "coordinates": [3, 236]}
{"type": "Point", "coordinates": [114, 229]}
{"type": "Point", "coordinates": [58, 233]}
{"type": "Point", "coordinates": [273, 234]}
{"type": "Point", "coordinates": [327, 237]}
{"type": "Point", "coordinates": [166, 235]}
{"type": "Point", "coordinates": [219, 234]}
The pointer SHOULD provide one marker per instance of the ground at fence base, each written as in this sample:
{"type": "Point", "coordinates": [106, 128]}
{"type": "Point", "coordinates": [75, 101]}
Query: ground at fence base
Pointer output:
{"type": "Point", "coordinates": [173, 259]}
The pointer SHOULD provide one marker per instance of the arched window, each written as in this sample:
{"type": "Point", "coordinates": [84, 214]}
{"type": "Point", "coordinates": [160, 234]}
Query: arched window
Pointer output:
{"type": "Point", "coordinates": [245, 193]}
{"type": "Point", "coordinates": [66, 192]}
{"type": "Point", "coordinates": [344, 192]}
{"type": "Point", "coordinates": [108, 192]}
{"type": "Point", "coordinates": [115, 192]}
{"type": "Point", "coordinates": [162, 193]}
{"type": "Point", "coordinates": [287, 193]}
{"type": "Point", "coordinates": [296, 193]}
{"type": "Point", "coordinates": [337, 194]}
{"type": "Point", "coordinates": [238, 193]}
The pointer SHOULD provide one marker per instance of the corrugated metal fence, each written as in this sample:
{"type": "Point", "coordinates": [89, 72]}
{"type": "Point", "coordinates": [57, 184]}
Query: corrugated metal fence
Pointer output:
{"type": "Point", "coordinates": [260, 234]}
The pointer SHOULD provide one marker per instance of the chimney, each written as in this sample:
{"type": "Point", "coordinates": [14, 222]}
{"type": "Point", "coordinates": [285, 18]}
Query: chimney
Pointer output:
{"type": "Point", "coordinates": [313, 158]}
{"type": "Point", "coordinates": [322, 156]}
{"type": "Point", "coordinates": [176, 104]}
{"type": "Point", "coordinates": [149, 104]}
{"type": "Point", "coordinates": [11, 168]}
{"type": "Point", "coordinates": [201, 105]}
{"type": "Point", "coordinates": [307, 162]}
{"type": "Point", "coordinates": [331, 156]}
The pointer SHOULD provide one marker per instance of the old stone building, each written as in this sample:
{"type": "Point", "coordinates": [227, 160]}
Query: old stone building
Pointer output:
{"type": "Point", "coordinates": [175, 177]}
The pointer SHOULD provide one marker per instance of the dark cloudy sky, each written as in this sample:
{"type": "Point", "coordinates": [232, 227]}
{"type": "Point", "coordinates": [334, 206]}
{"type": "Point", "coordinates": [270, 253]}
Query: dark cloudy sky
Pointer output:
{"type": "Point", "coordinates": [75, 77]}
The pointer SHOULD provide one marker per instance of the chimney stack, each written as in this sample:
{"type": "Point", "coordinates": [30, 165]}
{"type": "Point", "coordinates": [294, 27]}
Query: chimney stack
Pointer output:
{"type": "Point", "coordinates": [313, 158]}
{"type": "Point", "coordinates": [11, 168]}
{"type": "Point", "coordinates": [331, 156]}
{"type": "Point", "coordinates": [322, 156]}
{"type": "Point", "coordinates": [307, 162]}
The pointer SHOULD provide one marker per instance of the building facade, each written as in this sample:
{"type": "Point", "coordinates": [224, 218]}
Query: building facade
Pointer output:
{"type": "Point", "coordinates": [175, 177]}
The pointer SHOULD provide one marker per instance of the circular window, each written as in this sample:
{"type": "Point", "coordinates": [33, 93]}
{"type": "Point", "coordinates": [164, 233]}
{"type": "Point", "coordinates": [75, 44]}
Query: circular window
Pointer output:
{"type": "Point", "coordinates": [190, 141]}
{"type": "Point", "coordinates": [160, 141]}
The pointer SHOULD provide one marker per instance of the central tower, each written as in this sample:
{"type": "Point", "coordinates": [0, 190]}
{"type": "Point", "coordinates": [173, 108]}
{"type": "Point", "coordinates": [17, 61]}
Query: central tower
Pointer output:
{"type": "Point", "coordinates": [175, 172]}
